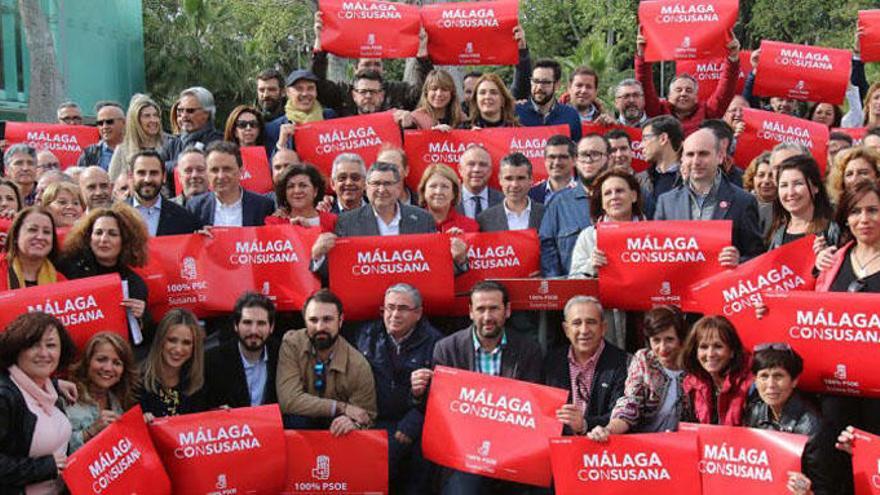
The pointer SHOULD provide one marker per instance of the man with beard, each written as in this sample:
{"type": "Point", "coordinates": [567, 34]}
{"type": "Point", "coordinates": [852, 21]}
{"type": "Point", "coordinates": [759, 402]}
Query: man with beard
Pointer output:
{"type": "Point", "coordinates": [629, 101]}
{"type": "Point", "coordinates": [161, 216]}
{"type": "Point", "coordinates": [269, 98]}
{"type": "Point", "coordinates": [322, 380]}
{"type": "Point", "coordinates": [542, 108]}
{"type": "Point", "coordinates": [110, 120]}
{"type": "Point", "coordinates": [569, 211]}
{"type": "Point", "coordinates": [683, 103]}
{"type": "Point", "coordinates": [484, 347]}
{"type": "Point", "coordinates": [95, 186]}
{"type": "Point", "coordinates": [241, 372]}
{"type": "Point", "coordinates": [192, 172]}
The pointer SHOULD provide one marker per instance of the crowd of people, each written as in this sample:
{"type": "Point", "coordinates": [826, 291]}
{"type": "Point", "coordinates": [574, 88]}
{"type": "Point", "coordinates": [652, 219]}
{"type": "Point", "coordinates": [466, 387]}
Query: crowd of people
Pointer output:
{"type": "Point", "coordinates": [625, 371]}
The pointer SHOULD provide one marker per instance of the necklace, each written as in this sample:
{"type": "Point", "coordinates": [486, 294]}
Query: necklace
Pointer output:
{"type": "Point", "coordinates": [861, 270]}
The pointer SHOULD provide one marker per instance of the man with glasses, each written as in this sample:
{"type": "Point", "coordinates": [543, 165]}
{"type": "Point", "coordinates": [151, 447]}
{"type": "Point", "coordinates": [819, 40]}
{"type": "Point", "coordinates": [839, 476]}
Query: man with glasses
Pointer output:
{"type": "Point", "coordinates": [629, 101]}
{"type": "Point", "coordinates": [46, 161]}
{"type": "Point", "coordinates": [111, 125]}
{"type": "Point", "coordinates": [322, 380]}
{"type": "Point", "coordinates": [559, 155]}
{"type": "Point", "coordinates": [395, 346]}
{"type": "Point", "coordinates": [682, 102]}
{"type": "Point", "coordinates": [195, 116]}
{"type": "Point", "coordinates": [569, 211]}
{"type": "Point", "coordinates": [661, 145]}
{"type": "Point", "coordinates": [69, 113]}
{"type": "Point", "coordinates": [349, 177]}
{"type": "Point", "coordinates": [20, 166]}
{"type": "Point", "coordinates": [542, 108]}
{"type": "Point", "coordinates": [368, 93]}
{"type": "Point", "coordinates": [384, 215]}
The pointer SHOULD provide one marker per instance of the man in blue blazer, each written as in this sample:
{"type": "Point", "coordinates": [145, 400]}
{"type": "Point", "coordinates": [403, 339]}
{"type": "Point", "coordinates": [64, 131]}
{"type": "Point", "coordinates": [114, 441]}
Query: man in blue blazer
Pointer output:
{"type": "Point", "coordinates": [228, 204]}
{"type": "Point", "coordinates": [707, 195]}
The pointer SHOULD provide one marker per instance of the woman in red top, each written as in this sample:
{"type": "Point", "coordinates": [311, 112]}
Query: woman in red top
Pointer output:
{"type": "Point", "coordinates": [439, 192]}
{"type": "Point", "coordinates": [298, 190]}
{"type": "Point", "coordinates": [718, 378]}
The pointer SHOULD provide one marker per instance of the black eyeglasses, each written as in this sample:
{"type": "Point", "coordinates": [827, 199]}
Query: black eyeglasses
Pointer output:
{"type": "Point", "coordinates": [245, 124]}
{"type": "Point", "coordinates": [774, 346]}
{"type": "Point", "coordinates": [856, 285]}
{"type": "Point", "coordinates": [320, 377]}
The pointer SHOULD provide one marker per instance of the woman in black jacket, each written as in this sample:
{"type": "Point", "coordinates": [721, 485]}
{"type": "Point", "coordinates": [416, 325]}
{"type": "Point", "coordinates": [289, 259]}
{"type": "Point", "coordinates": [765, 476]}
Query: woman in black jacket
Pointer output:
{"type": "Point", "coordinates": [113, 240]}
{"type": "Point", "coordinates": [779, 407]}
{"type": "Point", "coordinates": [34, 431]}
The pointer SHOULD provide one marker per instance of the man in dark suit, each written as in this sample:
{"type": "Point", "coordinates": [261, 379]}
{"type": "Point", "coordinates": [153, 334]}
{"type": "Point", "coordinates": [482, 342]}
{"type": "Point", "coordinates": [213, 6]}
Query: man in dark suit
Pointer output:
{"type": "Point", "coordinates": [384, 215]}
{"type": "Point", "coordinates": [707, 195]}
{"type": "Point", "coordinates": [228, 204]}
{"type": "Point", "coordinates": [162, 217]}
{"type": "Point", "coordinates": [475, 168]}
{"type": "Point", "coordinates": [485, 347]}
{"type": "Point", "coordinates": [598, 367]}
{"type": "Point", "coordinates": [517, 211]}
{"type": "Point", "coordinates": [241, 372]}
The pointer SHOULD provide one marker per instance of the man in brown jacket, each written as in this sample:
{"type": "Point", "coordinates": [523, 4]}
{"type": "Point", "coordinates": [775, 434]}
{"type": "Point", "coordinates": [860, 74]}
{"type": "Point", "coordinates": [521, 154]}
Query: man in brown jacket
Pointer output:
{"type": "Point", "coordinates": [322, 381]}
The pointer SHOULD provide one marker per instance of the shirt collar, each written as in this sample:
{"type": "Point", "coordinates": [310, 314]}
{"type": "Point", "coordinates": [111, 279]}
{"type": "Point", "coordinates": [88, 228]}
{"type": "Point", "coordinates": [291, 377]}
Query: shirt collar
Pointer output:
{"type": "Point", "coordinates": [527, 211]}
{"type": "Point", "coordinates": [466, 194]}
{"type": "Point", "coordinates": [591, 363]}
{"type": "Point", "coordinates": [477, 347]}
{"type": "Point", "coordinates": [394, 221]}
{"type": "Point", "coordinates": [715, 183]}
{"type": "Point", "coordinates": [264, 358]}
{"type": "Point", "coordinates": [137, 204]}
{"type": "Point", "coordinates": [237, 204]}
{"type": "Point", "coordinates": [549, 110]}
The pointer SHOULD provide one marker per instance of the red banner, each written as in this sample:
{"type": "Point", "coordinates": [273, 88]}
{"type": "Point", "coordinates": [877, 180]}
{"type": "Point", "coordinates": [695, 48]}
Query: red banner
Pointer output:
{"type": "Point", "coordinates": [869, 41]}
{"type": "Point", "coordinates": [207, 275]}
{"type": "Point", "coordinates": [66, 142]}
{"type": "Point", "coordinates": [734, 293]}
{"type": "Point", "coordinates": [635, 137]}
{"type": "Point", "coordinates": [425, 148]}
{"type": "Point", "coordinates": [361, 268]}
{"type": "Point", "coordinates": [369, 29]}
{"type": "Point", "coordinates": [492, 426]}
{"type": "Point", "coordinates": [85, 306]}
{"type": "Point", "coordinates": [493, 255]}
{"type": "Point", "coordinates": [764, 130]}
{"type": "Point", "coordinates": [318, 143]}
{"type": "Point", "coordinates": [687, 29]}
{"type": "Point", "coordinates": [472, 33]}
{"type": "Point", "coordinates": [626, 464]}
{"type": "Point", "coordinates": [857, 133]}
{"type": "Point", "coordinates": [736, 460]}
{"type": "Point", "coordinates": [318, 462]}
{"type": "Point", "coordinates": [837, 334]}
{"type": "Point", "coordinates": [256, 174]}
{"type": "Point", "coordinates": [708, 73]}
{"type": "Point", "coordinates": [120, 460]}
{"type": "Point", "coordinates": [866, 463]}
{"type": "Point", "coordinates": [802, 72]}
{"type": "Point", "coordinates": [214, 452]}
{"type": "Point", "coordinates": [653, 263]}
{"type": "Point", "coordinates": [547, 294]}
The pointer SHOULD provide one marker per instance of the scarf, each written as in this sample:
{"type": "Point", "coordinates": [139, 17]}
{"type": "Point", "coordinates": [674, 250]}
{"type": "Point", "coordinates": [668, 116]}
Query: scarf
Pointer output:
{"type": "Point", "coordinates": [46, 399]}
{"type": "Point", "coordinates": [300, 117]}
{"type": "Point", "coordinates": [45, 275]}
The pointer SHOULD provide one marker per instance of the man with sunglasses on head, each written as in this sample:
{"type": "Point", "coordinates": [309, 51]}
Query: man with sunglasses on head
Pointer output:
{"type": "Point", "coordinates": [396, 345]}
{"type": "Point", "coordinates": [322, 381]}
{"type": "Point", "coordinates": [195, 116]}
{"type": "Point", "coordinates": [111, 125]}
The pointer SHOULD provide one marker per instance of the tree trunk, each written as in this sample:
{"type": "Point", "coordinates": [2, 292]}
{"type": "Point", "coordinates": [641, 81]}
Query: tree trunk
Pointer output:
{"type": "Point", "coordinates": [46, 86]}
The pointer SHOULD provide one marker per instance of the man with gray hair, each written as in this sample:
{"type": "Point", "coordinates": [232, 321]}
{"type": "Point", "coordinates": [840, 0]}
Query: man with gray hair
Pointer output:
{"type": "Point", "coordinates": [395, 346]}
{"type": "Point", "coordinates": [20, 166]}
{"type": "Point", "coordinates": [349, 176]}
{"type": "Point", "coordinates": [195, 115]}
{"type": "Point", "coordinates": [783, 151]}
{"type": "Point", "coordinates": [110, 120]}
{"type": "Point", "coordinates": [592, 369]}
{"type": "Point", "coordinates": [69, 113]}
{"type": "Point", "coordinates": [629, 100]}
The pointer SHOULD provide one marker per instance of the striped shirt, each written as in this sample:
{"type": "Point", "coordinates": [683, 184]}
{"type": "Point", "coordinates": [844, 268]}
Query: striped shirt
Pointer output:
{"type": "Point", "coordinates": [582, 376]}
{"type": "Point", "coordinates": [488, 362]}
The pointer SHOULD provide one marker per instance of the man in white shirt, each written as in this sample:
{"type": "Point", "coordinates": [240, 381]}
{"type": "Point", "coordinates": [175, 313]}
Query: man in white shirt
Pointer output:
{"type": "Point", "coordinates": [517, 211]}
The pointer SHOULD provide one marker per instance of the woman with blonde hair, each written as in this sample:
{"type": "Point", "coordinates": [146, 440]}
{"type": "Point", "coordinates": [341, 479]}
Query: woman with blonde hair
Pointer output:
{"type": "Point", "coordinates": [143, 130]}
{"type": "Point", "coordinates": [852, 166]}
{"type": "Point", "coordinates": [65, 201]}
{"type": "Point", "coordinates": [105, 379]}
{"type": "Point", "coordinates": [491, 105]}
{"type": "Point", "coordinates": [439, 192]}
{"type": "Point", "coordinates": [438, 107]}
{"type": "Point", "coordinates": [872, 106]}
{"type": "Point", "coordinates": [173, 375]}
